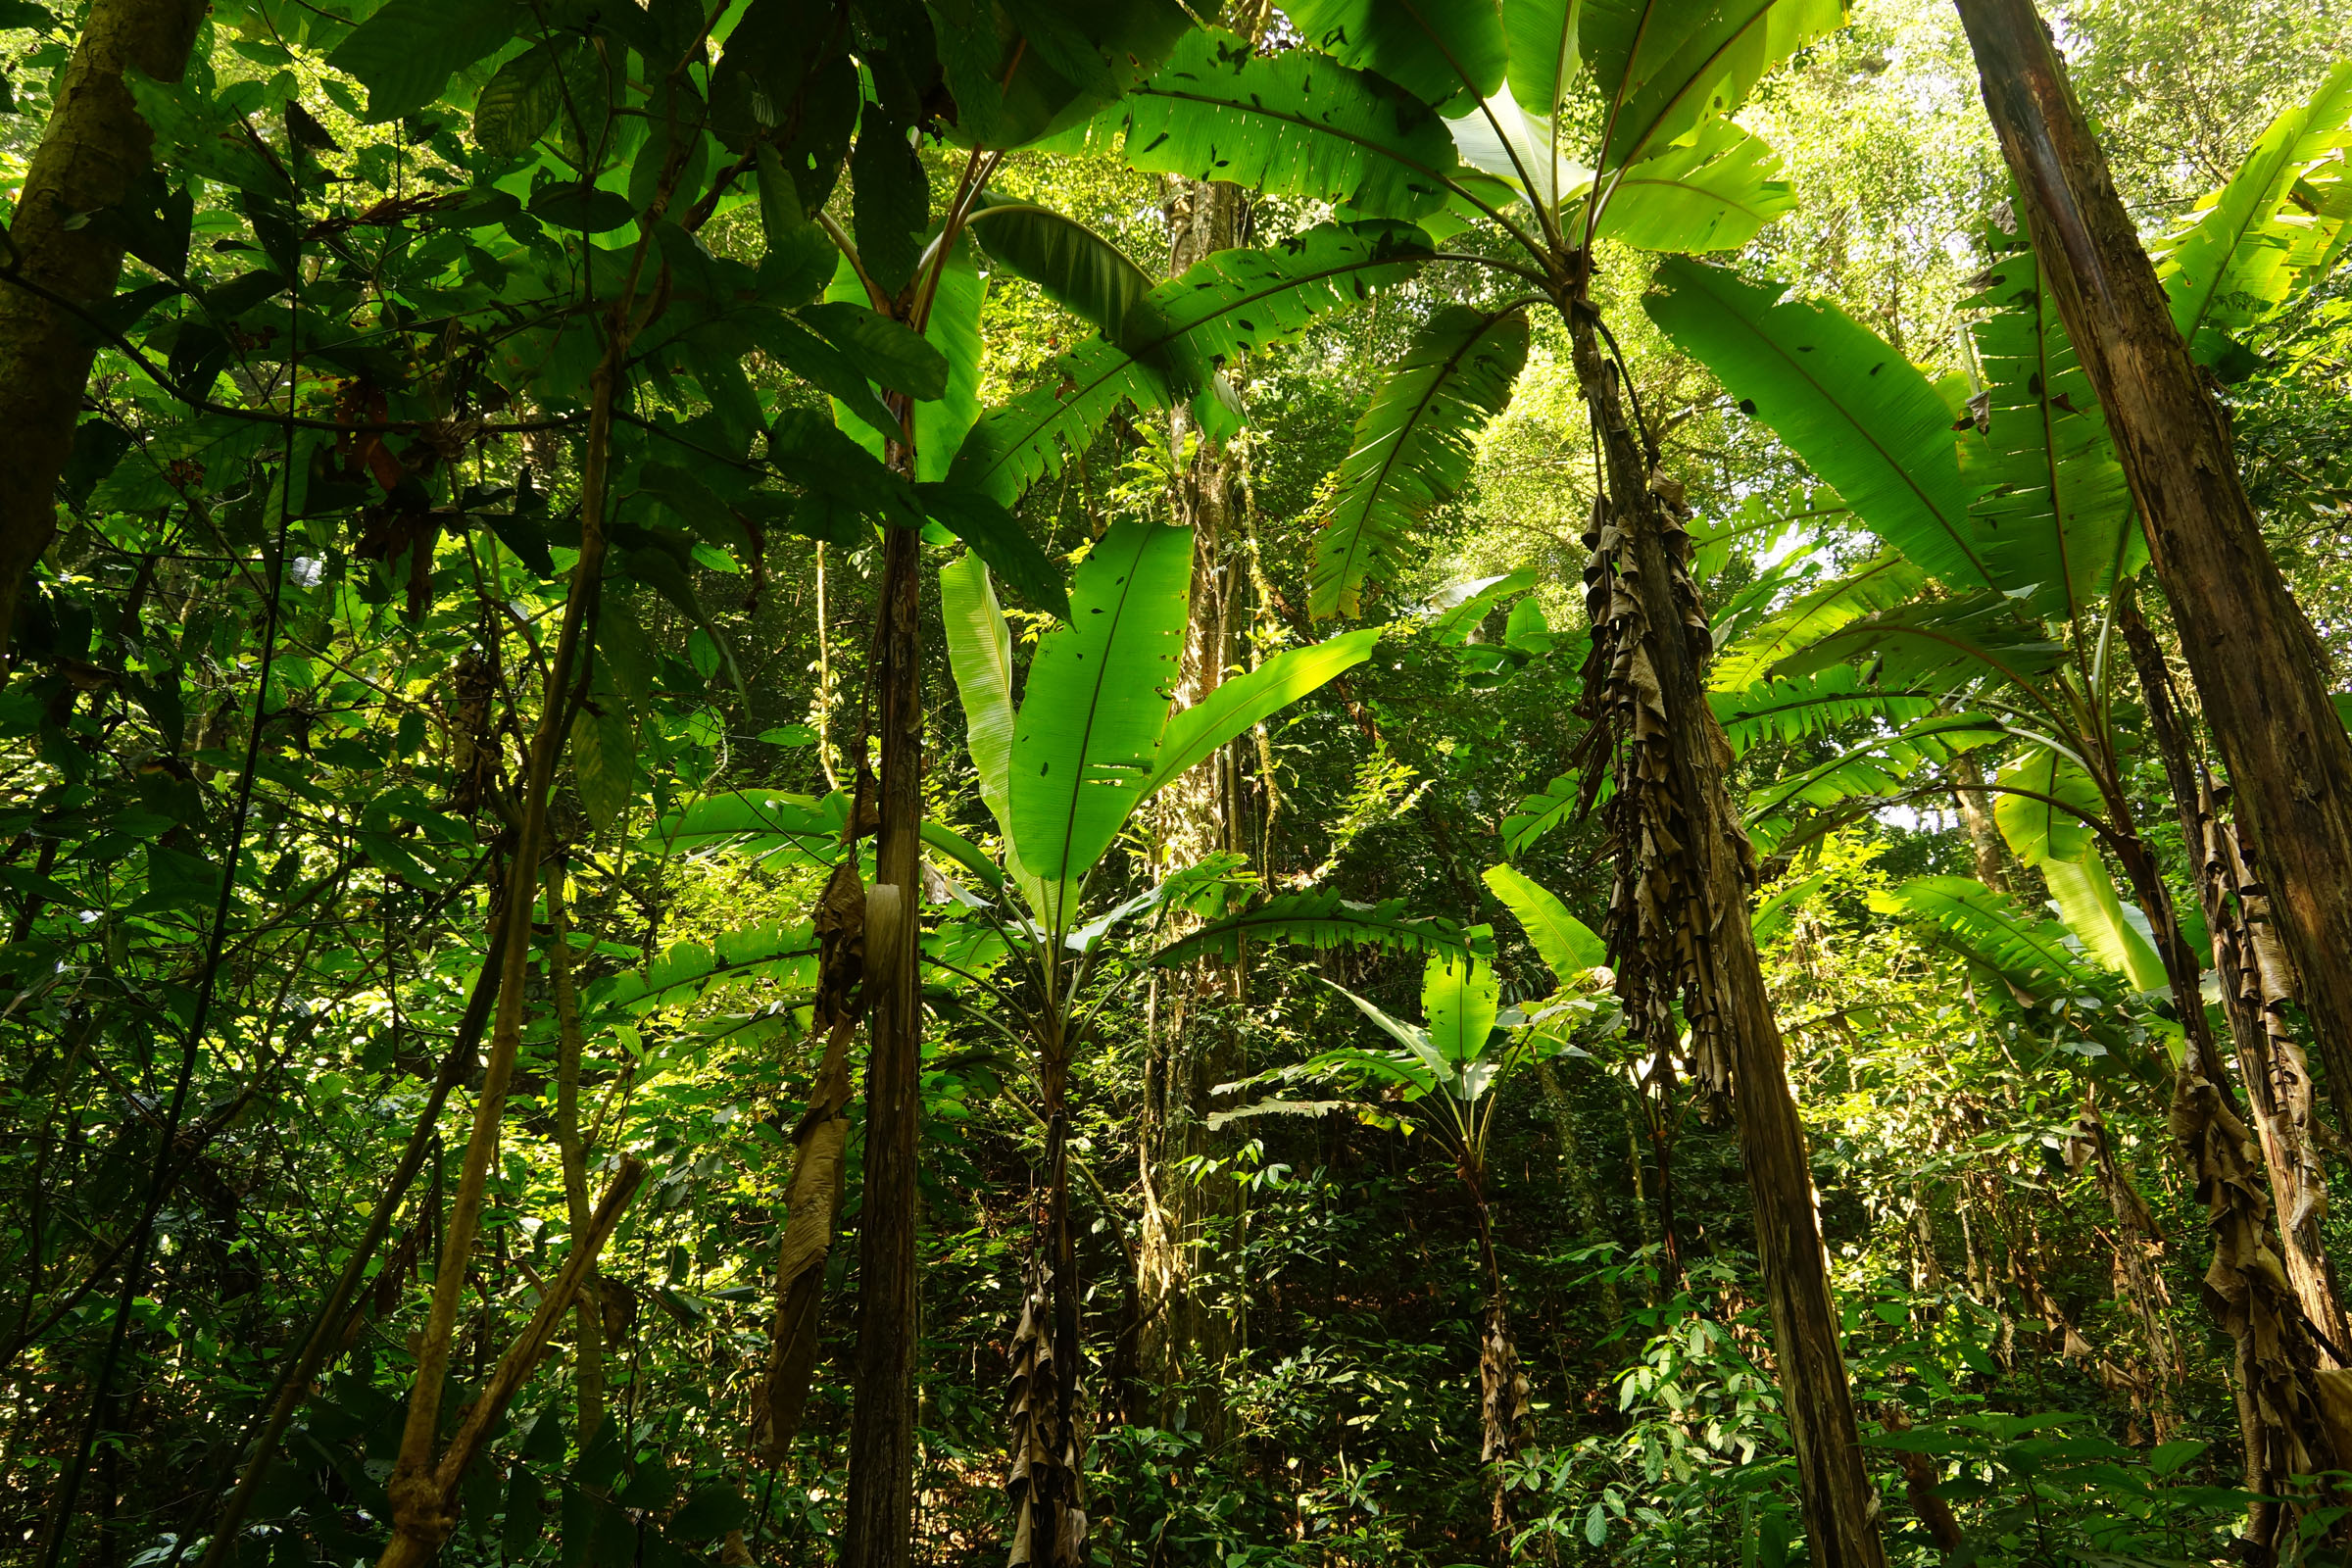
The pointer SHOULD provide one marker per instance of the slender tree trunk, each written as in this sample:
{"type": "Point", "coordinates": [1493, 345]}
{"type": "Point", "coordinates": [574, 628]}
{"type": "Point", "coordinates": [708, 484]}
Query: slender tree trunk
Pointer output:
{"type": "Point", "coordinates": [1976, 814]}
{"type": "Point", "coordinates": [1505, 1416]}
{"type": "Point", "coordinates": [92, 153]}
{"type": "Point", "coordinates": [1047, 1477]}
{"type": "Point", "coordinates": [813, 1201]}
{"type": "Point", "coordinates": [2270, 1060]}
{"type": "Point", "coordinates": [1193, 1046]}
{"type": "Point", "coordinates": [588, 1313]}
{"type": "Point", "coordinates": [1679, 923]}
{"type": "Point", "coordinates": [880, 1530]}
{"type": "Point", "coordinates": [2259, 672]}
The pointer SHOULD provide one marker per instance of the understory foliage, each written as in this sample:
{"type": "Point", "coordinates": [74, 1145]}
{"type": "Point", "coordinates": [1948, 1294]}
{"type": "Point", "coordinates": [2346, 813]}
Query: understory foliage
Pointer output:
{"type": "Point", "coordinates": [472, 559]}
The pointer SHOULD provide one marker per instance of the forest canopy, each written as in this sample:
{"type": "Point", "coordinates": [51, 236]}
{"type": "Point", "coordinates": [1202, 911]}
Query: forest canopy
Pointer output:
{"type": "Point", "coordinates": [1352, 782]}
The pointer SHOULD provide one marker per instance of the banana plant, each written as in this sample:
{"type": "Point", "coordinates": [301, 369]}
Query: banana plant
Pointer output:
{"type": "Point", "coordinates": [1062, 773]}
{"type": "Point", "coordinates": [1447, 1074]}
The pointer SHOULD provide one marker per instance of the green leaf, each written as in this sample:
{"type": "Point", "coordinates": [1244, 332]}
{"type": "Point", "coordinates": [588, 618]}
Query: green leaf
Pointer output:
{"type": "Point", "coordinates": [1436, 50]}
{"type": "Point", "coordinates": [1233, 301]}
{"type": "Point", "coordinates": [1852, 408]}
{"type": "Point", "coordinates": [1885, 582]}
{"type": "Point", "coordinates": [405, 52]}
{"type": "Point", "coordinates": [2050, 820]}
{"type": "Point", "coordinates": [2087, 901]}
{"type": "Point", "coordinates": [1541, 35]}
{"type": "Point", "coordinates": [980, 655]}
{"type": "Point", "coordinates": [2246, 252]}
{"type": "Point", "coordinates": [1662, 66]}
{"type": "Point", "coordinates": [885, 350]}
{"type": "Point", "coordinates": [1094, 707]}
{"type": "Point", "coordinates": [582, 207]}
{"type": "Point", "coordinates": [952, 336]}
{"type": "Point", "coordinates": [1241, 700]}
{"type": "Point", "coordinates": [519, 102]}
{"type": "Point", "coordinates": [1316, 920]}
{"type": "Point", "coordinates": [761, 824]}
{"type": "Point", "coordinates": [1772, 915]}
{"type": "Point", "coordinates": [890, 201]}
{"type": "Point", "coordinates": [1713, 193]}
{"type": "Point", "coordinates": [1877, 766]}
{"type": "Point", "coordinates": [1939, 645]}
{"type": "Point", "coordinates": [604, 757]}
{"type": "Point", "coordinates": [1291, 124]}
{"type": "Point", "coordinates": [997, 537]}
{"type": "Point", "coordinates": [1995, 930]}
{"type": "Point", "coordinates": [1070, 264]}
{"type": "Point", "coordinates": [1567, 945]}
{"type": "Point", "coordinates": [1413, 448]}
{"type": "Point", "coordinates": [2053, 512]}
{"type": "Point", "coordinates": [782, 338]}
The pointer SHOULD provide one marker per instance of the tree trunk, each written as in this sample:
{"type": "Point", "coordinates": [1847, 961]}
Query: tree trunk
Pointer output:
{"type": "Point", "coordinates": [880, 1530]}
{"type": "Point", "coordinates": [588, 1314]}
{"type": "Point", "coordinates": [2259, 670]}
{"type": "Point", "coordinates": [813, 1201]}
{"type": "Point", "coordinates": [1976, 814]}
{"type": "Point", "coordinates": [1505, 1416]}
{"type": "Point", "coordinates": [1679, 923]}
{"type": "Point", "coordinates": [1185, 1339]}
{"type": "Point", "coordinates": [94, 150]}
{"type": "Point", "coordinates": [2270, 1060]}
{"type": "Point", "coordinates": [1046, 1479]}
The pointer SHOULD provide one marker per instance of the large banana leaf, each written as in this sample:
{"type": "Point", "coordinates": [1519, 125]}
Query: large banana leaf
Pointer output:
{"type": "Point", "coordinates": [1233, 300]}
{"type": "Point", "coordinates": [1885, 582]}
{"type": "Point", "coordinates": [1519, 148]}
{"type": "Point", "coordinates": [1851, 407]}
{"type": "Point", "coordinates": [2239, 259]}
{"type": "Point", "coordinates": [1246, 700]}
{"type": "Point", "coordinates": [1814, 706]}
{"type": "Point", "coordinates": [1293, 124]}
{"type": "Point", "coordinates": [1997, 931]}
{"type": "Point", "coordinates": [1880, 765]}
{"type": "Point", "coordinates": [1317, 920]}
{"type": "Point", "coordinates": [1072, 266]}
{"type": "Point", "coordinates": [1095, 706]}
{"type": "Point", "coordinates": [1412, 447]}
{"type": "Point", "coordinates": [1938, 645]}
{"type": "Point", "coordinates": [2053, 509]}
{"type": "Point", "coordinates": [2087, 901]}
{"type": "Point", "coordinates": [1541, 35]}
{"type": "Point", "coordinates": [1662, 66]}
{"type": "Point", "coordinates": [1436, 50]}
{"type": "Point", "coordinates": [1460, 998]}
{"type": "Point", "coordinates": [1567, 945]}
{"type": "Point", "coordinates": [1713, 193]}
{"type": "Point", "coordinates": [1052, 66]}
{"type": "Point", "coordinates": [980, 657]}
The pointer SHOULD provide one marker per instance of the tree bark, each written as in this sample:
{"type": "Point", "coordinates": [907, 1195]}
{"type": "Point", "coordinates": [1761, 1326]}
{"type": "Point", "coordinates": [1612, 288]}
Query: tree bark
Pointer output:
{"type": "Point", "coordinates": [1976, 814]}
{"type": "Point", "coordinates": [880, 1528]}
{"type": "Point", "coordinates": [2259, 670]}
{"type": "Point", "coordinates": [2270, 1060]}
{"type": "Point", "coordinates": [1679, 922]}
{"type": "Point", "coordinates": [94, 150]}
{"type": "Point", "coordinates": [1186, 1340]}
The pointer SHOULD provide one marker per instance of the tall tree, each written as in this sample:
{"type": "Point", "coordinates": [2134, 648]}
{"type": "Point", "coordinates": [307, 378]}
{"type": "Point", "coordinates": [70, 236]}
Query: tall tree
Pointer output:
{"type": "Point", "coordinates": [2258, 668]}
{"type": "Point", "coordinates": [60, 266]}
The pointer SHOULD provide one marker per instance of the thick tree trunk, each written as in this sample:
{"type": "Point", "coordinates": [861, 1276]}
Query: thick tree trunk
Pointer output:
{"type": "Point", "coordinates": [93, 151]}
{"type": "Point", "coordinates": [1186, 1339]}
{"type": "Point", "coordinates": [1679, 923]}
{"type": "Point", "coordinates": [2259, 670]}
{"type": "Point", "coordinates": [880, 1530]}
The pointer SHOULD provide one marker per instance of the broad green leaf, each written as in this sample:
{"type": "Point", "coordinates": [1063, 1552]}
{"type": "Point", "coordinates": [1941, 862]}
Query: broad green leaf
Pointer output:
{"type": "Point", "coordinates": [1520, 148]}
{"type": "Point", "coordinates": [1094, 705]}
{"type": "Point", "coordinates": [1852, 408]}
{"type": "Point", "coordinates": [2052, 509]}
{"type": "Point", "coordinates": [1412, 448]}
{"type": "Point", "coordinates": [1022, 71]}
{"type": "Point", "coordinates": [2238, 261]}
{"type": "Point", "coordinates": [889, 352]}
{"type": "Point", "coordinates": [1316, 920]}
{"type": "Point", "coordinates": [1233, 301]}
{"type": "Point", "coordinates": [997, 538]}
{"type": "Point", "coordinates": [1877, 768]}
{"type": "Point", "coordinates": [1772, 915]}
{"type": "Point", "coordinates": [1714, 193]}
{"type": "Point", "coordinates": [1662, 66]}
{"type": "Point", "coordinates": [950, 344]}
{"type": "Point", "coordinates": [1460, 998]}
{"type": "Point", "coordinates": [1291, 124]}
{"type": "Point", "coordinates": [980, 655]}
{"type": "Point", "coordinates": [2087, 901]}
{"type": "Point", "coordinates": [1070, 264]}
{"type": "Point", "coordinates": [1544, 64]}
{"type": "Point", "coordinates": [1242, 700]}
{"type": "Point", "coordinates": [1436, 50]}
{"type": "Point", "coordinates": [2045, 821]}
{"type": "Point", "coordinates": [760, 824]}
{"type": "Point", "coordinates": [782, 338]}
{"type": "Point", "coordinates": [1995, 930]}
{"type": "Point", "coordinates": [1461, 607]}
{"type": "Point", "coordinates": [1819, 705]}
{"type": "Point", "coordinates": [519, 102]}
{"type": "Point", "coordinates": [1567, 945]}
{"type": "Point", "coordinates": [404, 53]}
{"type": "Point", "coordinates": [1937, 644]}
{"type": "Point", "coordinates": [1885, 582]}
{"type": "Point", "coordinates": [604, 757]}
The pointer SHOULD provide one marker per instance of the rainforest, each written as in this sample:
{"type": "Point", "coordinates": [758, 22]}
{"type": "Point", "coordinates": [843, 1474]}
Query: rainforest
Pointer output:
{"type": "Point", "coordinates": [1112, 784]}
